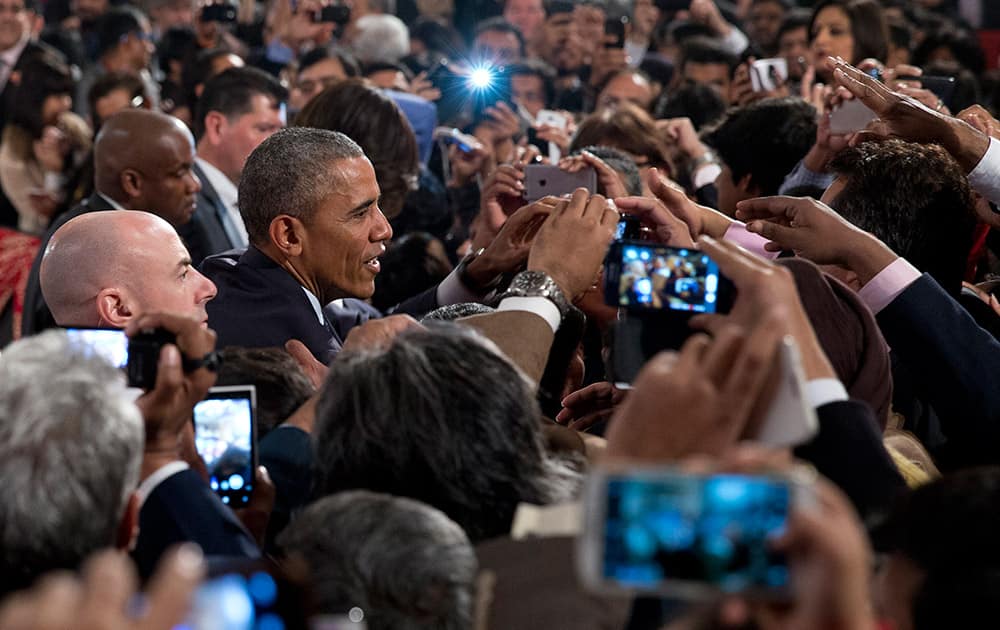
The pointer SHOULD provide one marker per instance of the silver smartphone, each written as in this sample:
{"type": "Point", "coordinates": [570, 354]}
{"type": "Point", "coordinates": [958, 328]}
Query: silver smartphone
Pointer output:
{"type": "Point", "coordinates": [542, 180]}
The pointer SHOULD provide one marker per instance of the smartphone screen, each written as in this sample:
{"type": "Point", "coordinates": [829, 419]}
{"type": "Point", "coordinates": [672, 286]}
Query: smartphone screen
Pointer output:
{"type": "Point", "coordinates": [714, 530]}
{"type": "Point", "coordinates": [109, 343]}
{"type": "Point", "coordinates": [649, 277]}
{"type": "Point", "coordinates": [225, 437]}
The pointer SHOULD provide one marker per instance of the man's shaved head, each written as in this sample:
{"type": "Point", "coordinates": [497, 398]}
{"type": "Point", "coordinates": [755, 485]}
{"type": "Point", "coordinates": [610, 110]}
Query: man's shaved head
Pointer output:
{"type": "Point", "coordinates": [143, 159]}
{"type": "Point", "coordinates": [104, 268]}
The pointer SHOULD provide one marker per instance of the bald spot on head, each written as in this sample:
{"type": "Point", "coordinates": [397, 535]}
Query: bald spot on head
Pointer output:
{"type": "Point", "coordinates": [93, 252]}
{"type": "Point", "coordinates": [134, 138]}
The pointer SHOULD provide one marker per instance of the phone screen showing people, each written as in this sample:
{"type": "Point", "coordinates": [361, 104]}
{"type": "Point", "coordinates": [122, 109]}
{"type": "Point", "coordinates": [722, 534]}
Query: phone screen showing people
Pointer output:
{"type": "Point", "coordinates": [714, 529]}
{"type": "Point", "coordinates": [656, 277]}
{"type": "Point", "coordinates": [225, 438]}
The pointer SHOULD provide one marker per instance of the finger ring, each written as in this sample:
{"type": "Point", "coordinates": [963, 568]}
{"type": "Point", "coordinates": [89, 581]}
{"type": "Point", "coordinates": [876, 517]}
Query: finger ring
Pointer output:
{"type": "Point", "coordinates": [940, 105]}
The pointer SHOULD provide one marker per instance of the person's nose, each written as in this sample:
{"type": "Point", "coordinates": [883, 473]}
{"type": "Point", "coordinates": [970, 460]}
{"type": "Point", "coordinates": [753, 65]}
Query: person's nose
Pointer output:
{"type": "Point", "coordinates": [382, 230]}
{"type": "Point", "coordinates": [206, 289]}
{"type": "Point", "coordinates": [194, 185]}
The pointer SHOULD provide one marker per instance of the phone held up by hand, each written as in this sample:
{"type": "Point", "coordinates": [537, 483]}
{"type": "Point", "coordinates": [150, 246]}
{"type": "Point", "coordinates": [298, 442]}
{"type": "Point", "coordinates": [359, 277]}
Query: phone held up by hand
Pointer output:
{"type": "Point", "coordinates": [662, 531]}
{"type": "Point", "coordinates": [137, 356]}
{"type": "Point", "coordinates": [225, 436]}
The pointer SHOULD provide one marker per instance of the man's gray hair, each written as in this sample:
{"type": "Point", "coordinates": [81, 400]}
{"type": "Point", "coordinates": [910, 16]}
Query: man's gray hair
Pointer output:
{"type": "Point", "coordinates": [403, 563]}
{"type": "Point", "coordinates": [289, 173]}
{"type": "Point", "coordinates": [381, 39]}
{"type": "Point", "coordinates": [71, 444]}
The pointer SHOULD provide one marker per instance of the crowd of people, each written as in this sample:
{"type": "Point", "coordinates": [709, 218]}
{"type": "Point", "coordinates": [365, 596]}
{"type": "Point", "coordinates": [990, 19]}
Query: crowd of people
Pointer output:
{"type": "Point", "coordinates": [336, 202]}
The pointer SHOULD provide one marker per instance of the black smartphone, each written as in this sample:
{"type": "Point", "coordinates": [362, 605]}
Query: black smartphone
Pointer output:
{"type": "Point", "coordinates": [629, 228]}
{"type": "Point", "coordinates": [674, 533]}
{"type": "Point", "coordinates": [487, 87]}
{"type": "Point", "coordinates": [219, 12]}
{"type": "Point", "coordinates": [225, 435]}
{"type": "Point", "coordinates": [334, 13]}
{"type": "Point", "coordinates": [673, 5]}
{"type": "Point", "coordinates": [615, 27]}
{"type": "Point", "coordinates": [647, 278]}
{"type": "Point", "coordinates": [137, 357]}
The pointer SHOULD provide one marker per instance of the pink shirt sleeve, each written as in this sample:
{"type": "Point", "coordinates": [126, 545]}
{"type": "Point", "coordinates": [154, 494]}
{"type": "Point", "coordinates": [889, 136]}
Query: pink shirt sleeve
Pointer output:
{"type": "Point", "coordinates": [737, 233]}
{"type": "Point", "coordinates": [888, 284]}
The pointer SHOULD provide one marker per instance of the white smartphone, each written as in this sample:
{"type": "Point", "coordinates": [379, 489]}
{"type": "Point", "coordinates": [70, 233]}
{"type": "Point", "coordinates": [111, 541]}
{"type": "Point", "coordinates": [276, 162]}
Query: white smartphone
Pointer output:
{"type": "Point", "coordinates": [851, 116]}
{"type": "Point", "coordinates": [768, 74]}
{"type": "Point", "coordinates": [662, 531]}
{"type": "Point", "coordinates": [791, 419]}
{"type": "Point", "coordinates": [555, 119]}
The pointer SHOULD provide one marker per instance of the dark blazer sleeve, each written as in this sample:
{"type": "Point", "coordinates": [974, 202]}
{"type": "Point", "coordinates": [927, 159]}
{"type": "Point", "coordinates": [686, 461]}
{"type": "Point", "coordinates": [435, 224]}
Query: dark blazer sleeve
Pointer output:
{"type": "Point", "coordinates": [955, 364]}
{"type": "Point", "coordinates": [848, 450]}
{"type": "Point", "coordinates": [183, 509]}
{"type": "Point", "coordinates": [418, 305]}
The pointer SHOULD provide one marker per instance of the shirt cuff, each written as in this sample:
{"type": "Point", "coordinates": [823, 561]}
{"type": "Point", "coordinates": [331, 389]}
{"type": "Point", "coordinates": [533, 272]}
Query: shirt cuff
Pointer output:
{"type": "Point", "coordinates": [802, 175]}
{"type": "Point", "coordinates": [279, 53]}
{"type": "Point", "coordinates": [754, 243]}
{"type": "Point", "coordinates": [822, 391]}
{"type": "Point", "coordinates": [888, 284]}
{"type": "Point", "coordinates": [705, 175]}
{"type": "Point", "coordinates": [985, 178]}
{"type": "Point", "coordinates": [452, 291]}
{"type": "Point", "coordinates": [540, 306]}
{"type": "Point", "coordinates": [160, 475]}
{"type": "Point", "coordinates": [735, 41]}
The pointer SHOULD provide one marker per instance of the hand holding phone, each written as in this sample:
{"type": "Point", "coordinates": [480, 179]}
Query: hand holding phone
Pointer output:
{"type": "Point", "coordinates": [767, 75]}
{"type": "Point", "coordinates": [544, 180]}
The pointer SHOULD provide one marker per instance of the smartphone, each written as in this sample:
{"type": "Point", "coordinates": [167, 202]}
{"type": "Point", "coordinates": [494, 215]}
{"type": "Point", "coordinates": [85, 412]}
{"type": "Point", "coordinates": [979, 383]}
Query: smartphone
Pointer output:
{"type": "Point", "coordinates": [451, 136]}
{"type": "Point", "coordinates": [551, 118]}
{"type": "Point", "coordinates": [656, 530]}
{"type": "Point", "coordinates": [768, 74]}
{"type": "Point", "coordinates": [334, 13]}
{"type": "Point", "coordinates": [225, 436]}
{"type": "Point", "coordinates": [673, 5]}
{"type": "Point", "coordinates": [488, 87]}
{"type": "Point", "coordinates": [252, 595]}
{"type": "Point", "coordinates": [942, 87]}
{"type": "Point", "coordinates": [851, 116]}
{"type": "Point", "coordinates": [645, 277]}
{"type": "Point", "coordinates": [137, 356]}
{"type": "Point", "coordinates": [218, 12]}
{"type": "Point", "coordinates": [790, 419]}
{"type": "Point", "coordinates": [629, 228]}
{"type": "Point", "coordinates": [542, 180]}
{"type": "Point", "coordinates": [615, 27]}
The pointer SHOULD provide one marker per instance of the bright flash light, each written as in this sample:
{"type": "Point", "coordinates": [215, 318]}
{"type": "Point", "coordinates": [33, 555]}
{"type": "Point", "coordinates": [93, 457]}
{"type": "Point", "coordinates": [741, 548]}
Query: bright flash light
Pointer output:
{"type": "Point", "coordinates": [481, 78]}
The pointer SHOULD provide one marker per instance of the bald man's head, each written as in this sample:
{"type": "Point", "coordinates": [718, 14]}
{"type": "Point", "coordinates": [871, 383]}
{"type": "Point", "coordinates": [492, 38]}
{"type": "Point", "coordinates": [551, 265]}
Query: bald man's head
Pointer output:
{"type": "Point", "coordinates": [104, 268]}
{"type": "Point", "coordinates": [143, 160]}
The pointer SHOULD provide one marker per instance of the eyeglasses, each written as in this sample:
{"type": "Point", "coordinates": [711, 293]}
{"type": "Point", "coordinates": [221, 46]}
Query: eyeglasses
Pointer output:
{"type": "Point", "coordinates": [140, 35]}
{"type": "Point", "coordinates": [310, 85]}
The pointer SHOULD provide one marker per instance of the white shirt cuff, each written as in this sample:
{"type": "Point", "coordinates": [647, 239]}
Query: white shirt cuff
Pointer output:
{"type": "Point", "coordinates": [821, 391]}
{"type": "Point", "coordinates": [888, 284]}
{"type": "Point", "coordinates": [705, 175]}
{"type": "Point", "coordinates": [540, 306]}
{"type": "Point", "coordinates": [985, 178]}
{"type": "Point", "coordinates": [161, 474]}
{"type": "Point", "coordinates": [452, 291]}
{"type": "Point", "coordinates": [735, 41]}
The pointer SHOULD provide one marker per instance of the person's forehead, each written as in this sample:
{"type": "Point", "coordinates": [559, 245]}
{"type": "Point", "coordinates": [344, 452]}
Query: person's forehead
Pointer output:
{"type": "Point", "coordinates": [494, 38]}
{"type": "Point", "coordinates": [706, 69]}
{"type": "Point", "coordinates": [353, 182]}
{"type": "Point", "coordinates": [327, 68]}
{"type": "Point", "coordinates": [526, 82]}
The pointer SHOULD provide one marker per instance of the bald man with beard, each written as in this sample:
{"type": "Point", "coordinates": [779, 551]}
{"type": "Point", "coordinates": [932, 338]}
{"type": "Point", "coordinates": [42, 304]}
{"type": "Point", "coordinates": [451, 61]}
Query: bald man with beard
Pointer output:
{"type": "Point", "coordinates": [105, 268]}
{"type": "Point", "coordinates": [142, 161]}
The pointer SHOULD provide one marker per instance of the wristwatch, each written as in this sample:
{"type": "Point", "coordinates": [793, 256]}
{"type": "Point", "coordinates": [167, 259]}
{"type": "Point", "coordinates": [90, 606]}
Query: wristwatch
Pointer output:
{"type": "Point", "coordinates": [211, 362]}
{"type": "Point", "coordinates": [463, 274]}
{"type": "Point", "coordinates": [538, 284]}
